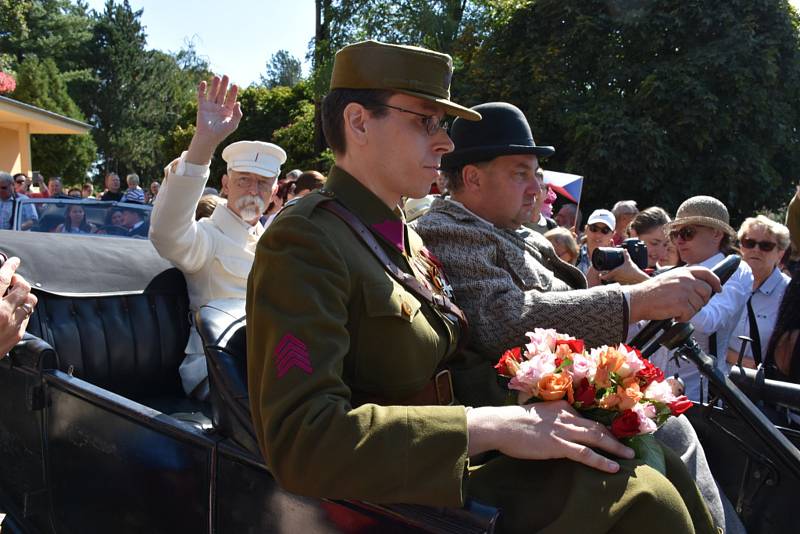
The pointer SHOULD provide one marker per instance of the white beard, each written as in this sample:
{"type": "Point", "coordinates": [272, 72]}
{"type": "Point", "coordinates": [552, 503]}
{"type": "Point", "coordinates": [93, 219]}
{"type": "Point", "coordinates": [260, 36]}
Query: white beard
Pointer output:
{"type": "Point", "coordinates": [250, 207]}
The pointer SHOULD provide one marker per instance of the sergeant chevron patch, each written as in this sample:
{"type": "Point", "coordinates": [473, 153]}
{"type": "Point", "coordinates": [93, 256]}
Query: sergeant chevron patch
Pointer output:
{"type": "Point", "coordinates": [291, 352]}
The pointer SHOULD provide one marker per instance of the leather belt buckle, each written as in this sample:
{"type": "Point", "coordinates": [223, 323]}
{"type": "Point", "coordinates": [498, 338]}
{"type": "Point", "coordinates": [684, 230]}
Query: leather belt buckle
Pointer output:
{"type": "Point", "coordinates": [443, 384]}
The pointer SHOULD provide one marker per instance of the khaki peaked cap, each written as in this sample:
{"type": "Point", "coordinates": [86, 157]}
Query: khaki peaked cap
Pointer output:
{"type": "Point", "coordinates": [410, 70]}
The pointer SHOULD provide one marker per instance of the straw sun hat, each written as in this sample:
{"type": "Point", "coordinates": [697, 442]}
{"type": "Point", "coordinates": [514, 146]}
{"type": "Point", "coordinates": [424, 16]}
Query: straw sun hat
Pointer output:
{"type": "Point", "coordinates": [703, 211]}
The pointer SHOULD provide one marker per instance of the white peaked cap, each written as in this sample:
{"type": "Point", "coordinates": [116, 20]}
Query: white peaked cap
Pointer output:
{"type": "Point", "coordinates": [257, 157]}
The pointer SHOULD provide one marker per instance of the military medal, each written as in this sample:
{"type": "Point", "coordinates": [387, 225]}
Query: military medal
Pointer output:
{"type": "Point", "coordinates": [433, 271]}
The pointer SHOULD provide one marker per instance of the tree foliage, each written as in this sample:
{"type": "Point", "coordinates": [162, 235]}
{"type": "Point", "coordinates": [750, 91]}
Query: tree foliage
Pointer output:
{"type": "Point", "coordinates": [137, 96]}
{"type": "Point", "coordinates": [655, 101]}
{"type": "Point", "coordinates": [69, 156]}
{"type": "Point", "coordinates": [283, 69]}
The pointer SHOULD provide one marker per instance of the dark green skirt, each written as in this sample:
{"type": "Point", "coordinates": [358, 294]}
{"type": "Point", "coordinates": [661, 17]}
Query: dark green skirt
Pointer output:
{"type": "Point", "coordinates": [562, 496]}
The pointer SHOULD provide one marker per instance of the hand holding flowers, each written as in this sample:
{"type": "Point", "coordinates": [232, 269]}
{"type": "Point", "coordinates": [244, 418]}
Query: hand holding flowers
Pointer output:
{"type": "Point", "coordinates": [612, 385]}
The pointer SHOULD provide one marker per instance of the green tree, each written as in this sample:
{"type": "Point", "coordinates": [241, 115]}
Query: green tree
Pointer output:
{"type": "Point", "coordinates": [137, 97]}
{"type": "Point", "coordinates": [55, 29]}
{"type": "Point", "coordinates": [283, 69]}
{"type": "Point", "coordinates": [39, 83]}
{"type": "Point", "coordinates": [655, 101]}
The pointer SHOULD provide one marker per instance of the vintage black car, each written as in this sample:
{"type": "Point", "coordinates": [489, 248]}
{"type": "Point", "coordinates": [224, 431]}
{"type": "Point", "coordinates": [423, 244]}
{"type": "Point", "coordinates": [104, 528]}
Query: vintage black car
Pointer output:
{"type": "Point", "coordinates": [96, 434]}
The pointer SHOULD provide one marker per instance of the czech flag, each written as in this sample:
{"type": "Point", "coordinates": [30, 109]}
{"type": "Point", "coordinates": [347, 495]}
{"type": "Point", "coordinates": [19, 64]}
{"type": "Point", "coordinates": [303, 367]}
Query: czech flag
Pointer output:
{"type": "Point", "coordinates": [568, 186]}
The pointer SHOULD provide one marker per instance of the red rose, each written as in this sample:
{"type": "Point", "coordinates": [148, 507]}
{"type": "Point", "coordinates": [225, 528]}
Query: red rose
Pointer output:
{"type": "Point", "coordinates": [625, 425]}
{"type": "Point", "coordinates": [585, 393]}
{"type": "Point", "coordinates": [649, 373]}
{"type": "Point", "coordinates": [509, 362]}
{"type": "Point", "coordinates": [575, 345]}
{"type": "Point", "coordinates": [680, 405]}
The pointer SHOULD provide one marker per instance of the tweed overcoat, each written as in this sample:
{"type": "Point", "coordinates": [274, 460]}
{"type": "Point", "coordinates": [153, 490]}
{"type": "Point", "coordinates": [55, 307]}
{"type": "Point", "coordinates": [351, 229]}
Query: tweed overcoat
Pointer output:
{"type": "Point", "coordinates": [510, 282]}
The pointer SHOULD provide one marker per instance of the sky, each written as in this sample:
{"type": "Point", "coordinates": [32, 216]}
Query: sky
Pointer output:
{"type": "Point", "coordinates": [236, 37]}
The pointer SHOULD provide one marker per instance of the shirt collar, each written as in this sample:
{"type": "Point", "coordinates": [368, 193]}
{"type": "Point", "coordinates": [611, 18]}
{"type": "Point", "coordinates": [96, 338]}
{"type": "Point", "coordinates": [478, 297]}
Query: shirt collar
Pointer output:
{"type": "Point", "coordinates": [712, 261]}
{"type": "Point", "coordinates": [387, 223]}
{"type": "Point", "coordinates": [772, 282]}
{"type": "Point", "coordinates": [232, 225]}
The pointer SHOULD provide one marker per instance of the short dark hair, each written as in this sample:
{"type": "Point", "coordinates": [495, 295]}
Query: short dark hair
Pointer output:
{"type": "Point", "coordinates": [649, 219]}
{"type": "Point", "coordinates": [333, 112]}
{"type": "Point", "coordinates": [309, 181]}
{"type": "Point", "coordinates": [454, 176]}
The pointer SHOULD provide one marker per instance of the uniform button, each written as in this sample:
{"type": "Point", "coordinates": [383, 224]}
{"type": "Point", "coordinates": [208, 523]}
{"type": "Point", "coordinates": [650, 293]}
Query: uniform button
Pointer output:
{"type": "Point", "coordinates": [406, 308]}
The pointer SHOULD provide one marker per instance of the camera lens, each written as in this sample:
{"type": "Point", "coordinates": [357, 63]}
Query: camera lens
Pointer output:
{"type": "Point", "coordinates": [607, 258]}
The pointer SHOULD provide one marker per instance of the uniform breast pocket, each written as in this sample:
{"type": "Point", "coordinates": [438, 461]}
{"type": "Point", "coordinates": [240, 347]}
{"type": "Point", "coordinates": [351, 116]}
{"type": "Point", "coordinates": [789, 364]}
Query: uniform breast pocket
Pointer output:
{"type": "Point", "coordinates": [396, 347]}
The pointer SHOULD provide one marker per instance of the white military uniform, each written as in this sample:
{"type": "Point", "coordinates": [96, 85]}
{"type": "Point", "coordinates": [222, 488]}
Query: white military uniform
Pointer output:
{"type": "Point", "coordinates": [215, 253]}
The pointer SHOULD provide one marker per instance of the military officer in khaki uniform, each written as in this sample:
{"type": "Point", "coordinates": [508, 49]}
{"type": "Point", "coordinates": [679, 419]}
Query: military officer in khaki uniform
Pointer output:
{"type": "Point", "coordinates": [215, 254]}
{"type": "Point", "coordinates": [345, 353]}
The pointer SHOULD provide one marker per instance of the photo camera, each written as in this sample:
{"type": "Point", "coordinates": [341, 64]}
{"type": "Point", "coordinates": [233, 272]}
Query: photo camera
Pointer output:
{"type": "Point", "coordinates": [608, 258]}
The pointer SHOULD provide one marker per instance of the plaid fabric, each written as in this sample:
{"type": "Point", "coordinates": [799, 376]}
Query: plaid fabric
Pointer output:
{"type": "Point", "coordinates": [510, 282]}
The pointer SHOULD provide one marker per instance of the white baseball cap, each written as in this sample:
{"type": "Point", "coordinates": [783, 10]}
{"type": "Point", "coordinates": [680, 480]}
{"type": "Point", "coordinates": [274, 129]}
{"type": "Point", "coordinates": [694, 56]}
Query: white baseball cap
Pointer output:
{"type": "Point", "coordinates": [257, 157]}
{"type": "Point", "coordinates": [603, 216]}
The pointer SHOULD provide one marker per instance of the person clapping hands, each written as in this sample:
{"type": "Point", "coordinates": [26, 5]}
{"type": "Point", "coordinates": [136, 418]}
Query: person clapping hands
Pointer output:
{"type": "Point", "coordinates": [16, 305]}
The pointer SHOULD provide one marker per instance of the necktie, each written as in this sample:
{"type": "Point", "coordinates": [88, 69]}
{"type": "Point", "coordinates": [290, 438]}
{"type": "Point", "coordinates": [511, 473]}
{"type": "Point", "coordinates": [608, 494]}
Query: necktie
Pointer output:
{"type": "Point", "coordinates": [751, 316]}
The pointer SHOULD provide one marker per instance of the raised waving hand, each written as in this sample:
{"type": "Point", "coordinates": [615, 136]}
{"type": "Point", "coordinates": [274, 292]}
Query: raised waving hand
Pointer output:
{"type": "Point", "coordinates": [218, 115]}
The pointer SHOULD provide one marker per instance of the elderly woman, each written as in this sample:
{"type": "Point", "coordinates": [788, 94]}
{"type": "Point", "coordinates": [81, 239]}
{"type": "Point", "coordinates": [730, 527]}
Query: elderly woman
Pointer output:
{"type": "Point", "coordinates": [763, 243]}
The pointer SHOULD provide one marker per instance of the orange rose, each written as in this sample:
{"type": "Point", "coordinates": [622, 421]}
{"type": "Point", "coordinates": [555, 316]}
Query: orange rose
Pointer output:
{"type": "Point", "coordinates": [609, 402]}
{"type": "Point", "coordinates": [610, 362]}
{"type": "Point", "coordinates": [630, 394]}
{"type": "Point", "coordinates": [563, 352]}
{"type": "Point", "coordinates": [554, 386]}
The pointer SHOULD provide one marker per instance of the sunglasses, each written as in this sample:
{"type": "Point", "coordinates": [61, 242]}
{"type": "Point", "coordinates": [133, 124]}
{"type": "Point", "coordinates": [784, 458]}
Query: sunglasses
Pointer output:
{"type": "Point", "coordinates": [19, 181]}
{"type": "Point", "coordinates": [765, 246]}
{"type": "Point", "coordinates": [599, 228]}
{"type": "Point", "coordinates": [686, 233]}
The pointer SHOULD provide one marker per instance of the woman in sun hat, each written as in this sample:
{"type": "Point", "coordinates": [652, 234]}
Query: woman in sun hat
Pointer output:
{"type": "Point", "coordinates": [703, 236]}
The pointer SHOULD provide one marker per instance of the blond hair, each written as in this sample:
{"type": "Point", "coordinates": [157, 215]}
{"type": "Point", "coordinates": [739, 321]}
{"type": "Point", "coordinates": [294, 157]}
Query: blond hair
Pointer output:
{"type": "Point", "coordinates": [564, 237]}
{"type": "Point", "coordinates": [774, 229]}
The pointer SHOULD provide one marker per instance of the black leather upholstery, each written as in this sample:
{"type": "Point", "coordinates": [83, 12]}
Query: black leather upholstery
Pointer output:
{"type": "Point", "coordinates": [129, 344]}
{"type": "Point", "coordinates": [221, 324]}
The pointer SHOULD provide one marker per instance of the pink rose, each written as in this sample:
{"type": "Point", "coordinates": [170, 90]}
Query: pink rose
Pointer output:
{"type": "Point", "coordinates": [646, 412]}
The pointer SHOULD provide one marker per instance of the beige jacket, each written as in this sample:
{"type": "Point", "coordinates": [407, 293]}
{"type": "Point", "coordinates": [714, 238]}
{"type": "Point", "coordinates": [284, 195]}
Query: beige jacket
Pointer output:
{"type": "Point", "coordinates": [216, 253]}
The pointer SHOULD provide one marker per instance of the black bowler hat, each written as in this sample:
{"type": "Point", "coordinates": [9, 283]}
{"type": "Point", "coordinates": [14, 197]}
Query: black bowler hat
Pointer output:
{"type": "Point", "coordinates": [503, 131]}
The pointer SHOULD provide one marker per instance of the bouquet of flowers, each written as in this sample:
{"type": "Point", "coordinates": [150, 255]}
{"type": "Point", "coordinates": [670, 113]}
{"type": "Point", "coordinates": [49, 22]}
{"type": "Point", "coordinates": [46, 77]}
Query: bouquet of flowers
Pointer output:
{"type": "Point", "coordinates": [612, 385]}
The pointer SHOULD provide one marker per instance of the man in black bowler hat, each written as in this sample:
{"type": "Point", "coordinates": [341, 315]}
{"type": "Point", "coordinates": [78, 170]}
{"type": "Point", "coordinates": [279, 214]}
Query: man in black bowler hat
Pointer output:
{"type": "Point", "coordinates": [509, 280]}
{"type": "Point", "coordinates": [488, 256]}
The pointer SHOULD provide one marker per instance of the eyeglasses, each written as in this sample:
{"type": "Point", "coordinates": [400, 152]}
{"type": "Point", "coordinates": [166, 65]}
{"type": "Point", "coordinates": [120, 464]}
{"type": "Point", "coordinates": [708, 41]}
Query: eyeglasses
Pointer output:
{"type": "Point", "coordinates": [599, 228]}
{"type": "Point", "coordinates": [765, 246]}
{"type": "Point", "coordinates": [263, 185]}
{"type": "Point", "coordinates": [686, 233]}
{"type": "Point", "coordinates": [430, 122]}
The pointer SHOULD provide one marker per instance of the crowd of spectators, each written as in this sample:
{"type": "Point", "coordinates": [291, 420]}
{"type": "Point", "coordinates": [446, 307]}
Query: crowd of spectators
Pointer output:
{"type": "Point", "coordinates": [746, 324]}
